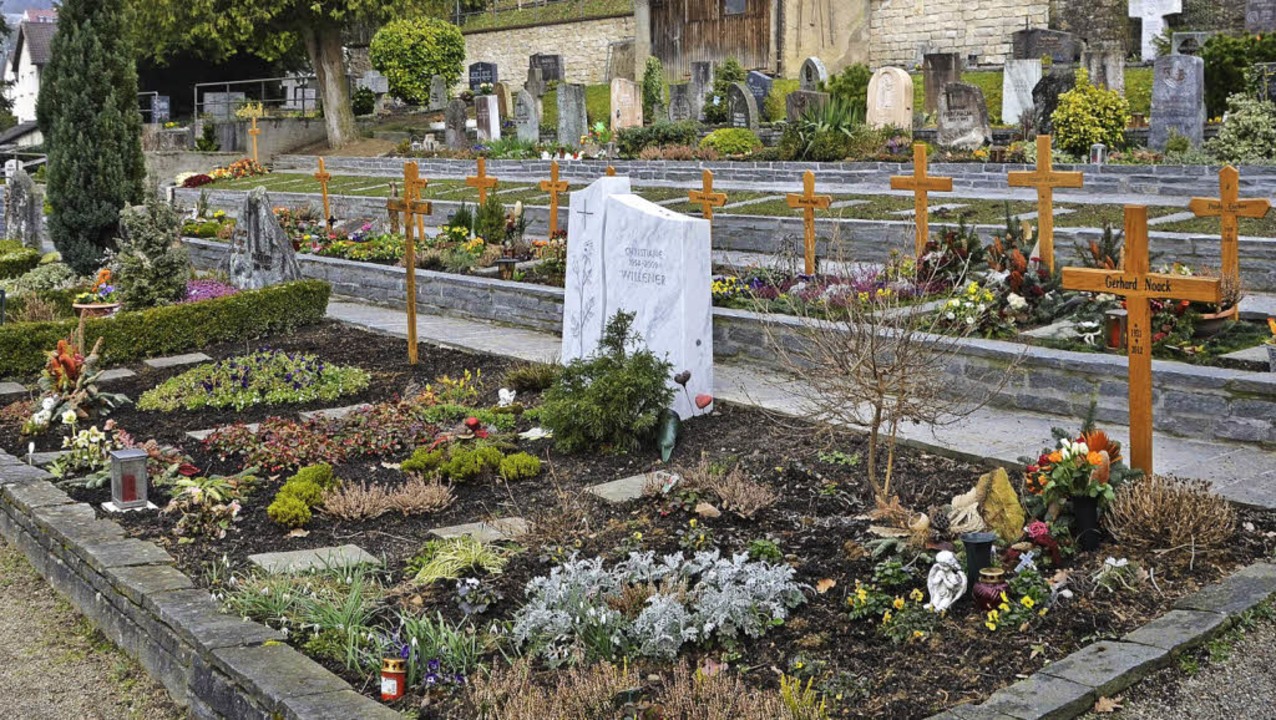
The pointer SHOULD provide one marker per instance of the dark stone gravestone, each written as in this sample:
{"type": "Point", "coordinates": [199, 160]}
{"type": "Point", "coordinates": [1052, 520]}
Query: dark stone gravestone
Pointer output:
{"type": "Point", "coordinates": [551, 66]}
{"type": "Point", "coordinates": [482, 72]}
{"type": "Point", "coordinates": [1036, 43]}
{"type": "Point", "coordinates": [572, 121]}
{"type": "Point", "coordinates": [527, 117]}
{"type": "Point", "coordinates": [1178, 100]}
{"type": "Point", "coordinates": [1260, 16]}
{"type": "Point", "coordinates": [742, 107]}
{"type": "Point", "coordinates": [759, 84]}
{"type": "Point", "coordinates": [799, 102]}
{"type": "Point", "coordinates": [261, 253]}
{"type": "Point", "coordinates": [963, 117]}
{"type": "Point", "coordinates": [23, 209]}
{"type": "Point", "coordinates": [681, 104]}
{"type": "Point", "coordinates": [939, 69]}
{"type": "Point", "coordinates": [1045, 96]}
{"type": "Point", "coordinates": [454, 125]}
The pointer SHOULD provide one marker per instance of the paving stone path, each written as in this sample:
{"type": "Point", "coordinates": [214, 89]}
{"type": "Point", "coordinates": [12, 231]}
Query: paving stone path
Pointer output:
{"type": "Point", "coordinates": [1240, 473]}
{"type": "Point", "coordinates": [54, 666]}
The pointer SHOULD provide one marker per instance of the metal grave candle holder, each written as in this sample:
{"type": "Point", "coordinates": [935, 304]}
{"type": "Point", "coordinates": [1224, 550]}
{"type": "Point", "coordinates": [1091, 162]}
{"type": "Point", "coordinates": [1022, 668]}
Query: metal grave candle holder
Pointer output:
{"type": "Point", "coordinates": [1114, 328]}
{"type": "Point", "coordinates": [128, 482]}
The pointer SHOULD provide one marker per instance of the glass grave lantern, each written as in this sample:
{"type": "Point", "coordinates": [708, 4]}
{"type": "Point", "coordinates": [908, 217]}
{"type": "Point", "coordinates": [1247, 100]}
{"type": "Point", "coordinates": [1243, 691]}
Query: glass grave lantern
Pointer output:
{"type": "Point", "coordinates": [128, 481]}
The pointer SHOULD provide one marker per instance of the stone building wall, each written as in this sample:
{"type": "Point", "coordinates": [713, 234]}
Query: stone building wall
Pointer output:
{"type": "Point", "coordinates": [835, 31]}
{"type": "Point", "coordinates": [901, 31]}
{"type": "Point", "coordinates": [583, 46]}
{"type": "Point", "coordinates": [1102, 23]}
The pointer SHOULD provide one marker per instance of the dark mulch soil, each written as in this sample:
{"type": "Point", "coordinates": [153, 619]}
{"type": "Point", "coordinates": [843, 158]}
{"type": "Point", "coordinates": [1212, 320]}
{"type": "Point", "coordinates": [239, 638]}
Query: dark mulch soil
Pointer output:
{"type": "Point", "coordinates": [819, 511]}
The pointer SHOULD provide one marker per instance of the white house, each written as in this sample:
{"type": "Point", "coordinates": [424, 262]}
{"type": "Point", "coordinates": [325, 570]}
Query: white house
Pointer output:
{"type": "Point", "coordinates": [31, 52]}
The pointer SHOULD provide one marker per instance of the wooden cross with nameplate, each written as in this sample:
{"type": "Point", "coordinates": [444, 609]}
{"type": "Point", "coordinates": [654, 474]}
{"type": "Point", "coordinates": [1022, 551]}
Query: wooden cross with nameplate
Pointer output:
{"type": "Point", "coordinates": [1139, 286]}
{"type": "Point", "coordinates": [553, 186]}
{"type": "Point", "coordinates": [1230, 208]}
{"type": "Point", "coordinates": [706, 198]}
{"type": "Point", "coordinates": [412, 208]}
{"type": "Point", "coordinates": [1045, 179]}
{"type": "Point", "coordinates": [482, 181]}
{"type": "Point", "coordinates": [323, 176]}
{"type": "Point", "coordinates": [808, 201]}
{"type": "Point", "coordinates": [921, 184]}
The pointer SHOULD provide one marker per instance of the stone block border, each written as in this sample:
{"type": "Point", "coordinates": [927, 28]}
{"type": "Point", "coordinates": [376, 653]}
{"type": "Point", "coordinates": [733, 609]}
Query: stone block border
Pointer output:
{"type": "Point", "coordinates": [1204, 402]}
{"type": "Point", "coordinates": [224, 668]}
{"type": "Point", "coordinates": [218, 666]}
{"type": "Point", "coordinates": [1069, 687]}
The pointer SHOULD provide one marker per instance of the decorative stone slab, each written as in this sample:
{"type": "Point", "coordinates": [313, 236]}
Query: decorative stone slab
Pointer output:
{"type": "Point", "coordinates": [121, 553]}
{"type": "Point", "coordinates": [299, 561]}
{"type": "Point", "coordinates": [970, 712]}
{"type": "Point", "coordinates": [11, 391]}
{"type": "Point", "coordinates": [202, 435]}
{"type": "Point", "coordinates": [1178, 629]}
{"type": "Point", "coordinates": [277, 671]}
{"type": "Point", "coordinates": [31, 495]}
{"type": "Point", "coordinates": [115, 374]}
{"type": "Point", "coordinates": [340, 704]}
{"type": "Point", "coordinates": [42, 459]}
{"type": "Point", "coordinates": [1238, 593]}
{"type": "Point", "coordinates": [333, 413]}
{"type": "Point", "coordinates": [140, 582]}
{"type": "Point", "coordinates": [1054, 331]}
{"type": "Point", "coordinates": [1108, 667]}
{"type": "Point", "coordinates": [1257, 354]}
{"type": "Point", "coordinates": [1041, 696]}
{"type": "Point", "coordinates": [496, 530]}
{"type": "Point", "coordinates": [624, 489]}
{"type": "Point", "coordinates": [176, 360]}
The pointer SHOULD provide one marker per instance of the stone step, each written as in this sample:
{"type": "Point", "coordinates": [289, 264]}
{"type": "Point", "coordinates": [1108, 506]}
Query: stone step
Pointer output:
{"type": "Point", "coordinates": [11, 392]}
{"type": "Point", "coordinates": [501, 529]}
{"type": "Point", "coordinates": [172, 361]}
{"type": "Point", "coordinates": [116, 374]}
{"type": "Point", "coordinates": [1257, 354]}
{"type": "Point", "coordinates": [300, 561]}
{"type": "Point", "coordinates": [626, 489]}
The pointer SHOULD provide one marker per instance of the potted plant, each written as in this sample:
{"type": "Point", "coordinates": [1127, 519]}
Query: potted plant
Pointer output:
{"type": "Point", "coordinates": [1080, 476]}
{"type": "Point", "coordinates": [101, 300]}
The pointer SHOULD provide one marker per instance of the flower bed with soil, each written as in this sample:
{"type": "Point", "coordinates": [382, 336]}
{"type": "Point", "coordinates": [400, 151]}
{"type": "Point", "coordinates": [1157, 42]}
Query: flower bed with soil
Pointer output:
{"type": "Point", "coordinates": [841, 608]}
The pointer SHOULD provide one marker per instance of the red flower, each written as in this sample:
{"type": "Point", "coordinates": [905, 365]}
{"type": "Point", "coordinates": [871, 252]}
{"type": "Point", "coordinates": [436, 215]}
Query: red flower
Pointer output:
{"type": "Point", "coordinates": [1158, 337]}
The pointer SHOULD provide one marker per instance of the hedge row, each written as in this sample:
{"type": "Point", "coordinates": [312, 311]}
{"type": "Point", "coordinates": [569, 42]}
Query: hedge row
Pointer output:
{"type": "Point", "coordinates": [16, 259]}
{"type": "Point", "coordinates": [171, 329]}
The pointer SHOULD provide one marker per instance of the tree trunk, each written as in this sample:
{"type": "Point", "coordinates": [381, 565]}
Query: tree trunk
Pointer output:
{"type": "Point", "coordinates": [328, 59]}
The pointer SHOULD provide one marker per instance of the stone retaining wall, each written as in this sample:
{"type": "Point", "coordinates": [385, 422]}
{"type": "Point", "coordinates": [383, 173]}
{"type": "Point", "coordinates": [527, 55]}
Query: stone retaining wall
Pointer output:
{"type": "Point", "coordinates": [1100, 180]}
{"type": "Point", "coordinates": [861, 240]}
{"type": "Point", "coordinates": [1201, 402]}
{"type": "Point", "coordinates": [582, 43]}
{"type": "Point", "coordinates": [900, 32]}
{"type": "Point", "coordinates": [217, 666]}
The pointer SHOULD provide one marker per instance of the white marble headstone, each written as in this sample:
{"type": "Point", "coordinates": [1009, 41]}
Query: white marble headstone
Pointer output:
{"type": "Point", "coordinates": [1018, 80]}
{"type": "Point", "coordinates": [650, 261]}
{"type": "Point", "coordinates": [1152, 13]}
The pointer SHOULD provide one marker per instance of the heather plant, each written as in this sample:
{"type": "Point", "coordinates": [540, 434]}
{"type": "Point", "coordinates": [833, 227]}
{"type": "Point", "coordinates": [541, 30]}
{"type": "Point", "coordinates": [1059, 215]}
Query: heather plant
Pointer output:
{"type": "Point", "coordinates": [267, 377]}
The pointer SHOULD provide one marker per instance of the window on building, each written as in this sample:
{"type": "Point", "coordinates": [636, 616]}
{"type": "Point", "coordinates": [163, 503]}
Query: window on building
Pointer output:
{"type": "Point", "coordinates": [734, 7]}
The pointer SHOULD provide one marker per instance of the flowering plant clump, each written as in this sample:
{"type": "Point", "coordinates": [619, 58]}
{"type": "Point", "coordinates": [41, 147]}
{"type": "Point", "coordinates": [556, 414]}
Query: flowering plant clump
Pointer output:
{"type": "Point", "coordinates": [1027, 599]}
{"type": "Point", "coordinates": [87, 453]}
{"type": "Point", "coordinates": [778, 291]}
{"type": "Point", "coordinates": [384, 248]}
{"type": "Point", "coordinates": [69, 388]}
{"type": "Point", "coordinates": [245, 168]}
{"type": "Point", "coordinates": [268, 377]}
{"type": "Point", "coordinates": [101, 293]}
{"type": "Point", "coordinates": [196, 180]}
{"type": "Point", "coordinates": [207, 506]}
{"type": "Point", "coordinates": [1080, 467]}
{"type": "Point", "coordinates": [200, 290]}
{"type": "Point", "coordinates": [973, 308]}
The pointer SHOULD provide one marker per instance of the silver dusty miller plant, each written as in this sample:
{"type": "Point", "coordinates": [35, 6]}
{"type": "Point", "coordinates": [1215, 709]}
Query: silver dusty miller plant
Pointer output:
{"type": "Point", "coordinates": [693, 599]}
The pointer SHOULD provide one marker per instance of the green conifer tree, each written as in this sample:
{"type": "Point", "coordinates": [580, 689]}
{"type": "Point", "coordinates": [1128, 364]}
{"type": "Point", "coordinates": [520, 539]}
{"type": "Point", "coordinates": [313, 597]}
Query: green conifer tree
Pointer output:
{"type": "Point", "coordinates": [88, 113]}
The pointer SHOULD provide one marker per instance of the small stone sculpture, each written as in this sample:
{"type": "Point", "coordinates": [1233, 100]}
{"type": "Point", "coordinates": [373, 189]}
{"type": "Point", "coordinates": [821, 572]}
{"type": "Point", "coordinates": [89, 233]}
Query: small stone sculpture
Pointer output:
{"type": "Point", "coordinates": [946, 582]}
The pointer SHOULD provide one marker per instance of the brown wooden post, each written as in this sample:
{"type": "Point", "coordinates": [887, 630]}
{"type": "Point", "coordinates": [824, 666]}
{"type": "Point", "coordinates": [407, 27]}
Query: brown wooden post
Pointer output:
{"type": "Point", "coordinates": [808, 201]}
{"type": "Point", "coordinates": [921, 184]}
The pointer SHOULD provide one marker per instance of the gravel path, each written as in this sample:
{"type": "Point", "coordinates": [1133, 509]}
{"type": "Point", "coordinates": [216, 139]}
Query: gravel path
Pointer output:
{"type": "Point", "coordinates": [1233, 678]}
{"type": "Point", "coordinates": [54, 664]}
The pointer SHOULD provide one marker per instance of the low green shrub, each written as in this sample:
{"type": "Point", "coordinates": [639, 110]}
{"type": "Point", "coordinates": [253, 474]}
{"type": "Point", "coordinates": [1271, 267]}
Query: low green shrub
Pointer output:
{"type": "Point", "coordinates": [300, 494]}
{"type": "Point", "coordinates": [171, 329]}
{"type": "Point", "coordinates": [289, 511]}
{"type": "Point", "coordinates": [632, 141]}
{"type": "Point", "coordinates": [1087, 115]}
{"type": "Point", "coordinates": [363, 102]}
{"type": "Point", "coordinates": [531, 376]}
{"type": "Point", "coordinates": [16, 259]}
{"type": "Point", "coordinates": [47, 276]}
{"type": "Point", "coordinates": [469, 463]}
{"type": "Point", "coordinates": [851, 86]}
{"type": "Point", "coordinates": [1249, 132]}
{"type": "Point", "coordinates": [775, 105]}
{"type": "Point", "coordinates": [715, 103]}
{"type": "Point", "coordinates": [520, 466]}
{"type": "Point", "coordinates": [731, 141]}
{"type": "Point", "coordinates": [423, 461]}
{"type": "Point", "coordinates": [304, 490]}
{"type": "Point", "coordinates": [320, 474]}
{"type": "Point", "coordinates": [613, 399]}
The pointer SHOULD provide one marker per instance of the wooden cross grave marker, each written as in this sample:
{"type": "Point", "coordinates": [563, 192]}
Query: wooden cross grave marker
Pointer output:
{"type": "Point", "coordinates": [611, 171]}
{"type": "Point", "coordinates": [253, 132]}
{"type": "Point", "coordinates": [1045, 179]}
{"type": "Point", "coordinates": [411, 208]}
{"type": "Point", "coordinates": [482, 181]}
{"type": "Point", "coordinates": [808, 201]}
{"type": "Point", "coordinates": [1138, 286]}
{"type": "Point", "coordinates": [416, 187]}
{"type": "Point", "coordinates": [553, 186]}
{"type": "Point", "coordinates": [921, 184]}
{"type": "Point", "coordinates": [706, 198]}
{"type": "Point", "coordinates": [1230, 208]}
{"type": "Point", "coordinates": [323, 176]}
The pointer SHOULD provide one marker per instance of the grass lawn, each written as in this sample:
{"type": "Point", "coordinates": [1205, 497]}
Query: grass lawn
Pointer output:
{"type": "Point", "coordinates": [1096, 216]}
{"type": "Point", "coordinates": [547, 14]}
{"type": "Point", "coordinates": [1265, 227]}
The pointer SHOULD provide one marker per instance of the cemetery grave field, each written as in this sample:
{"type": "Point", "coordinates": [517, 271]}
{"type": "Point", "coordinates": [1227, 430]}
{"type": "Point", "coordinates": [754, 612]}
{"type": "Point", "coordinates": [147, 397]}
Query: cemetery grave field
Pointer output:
{"type": "Point", "coordinates": [794, 497]}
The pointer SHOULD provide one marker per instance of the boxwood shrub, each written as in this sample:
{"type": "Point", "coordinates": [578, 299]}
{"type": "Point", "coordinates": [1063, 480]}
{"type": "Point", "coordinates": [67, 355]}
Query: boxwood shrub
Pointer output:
{"type": "Point", "coordinates": [173, 328]}
{"type": "Point", "coordinates": [16, 259]}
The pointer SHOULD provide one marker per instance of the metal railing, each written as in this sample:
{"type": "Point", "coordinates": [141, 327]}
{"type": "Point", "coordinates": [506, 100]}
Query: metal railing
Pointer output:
{"type": "Point", "coordinates": [294, 94]}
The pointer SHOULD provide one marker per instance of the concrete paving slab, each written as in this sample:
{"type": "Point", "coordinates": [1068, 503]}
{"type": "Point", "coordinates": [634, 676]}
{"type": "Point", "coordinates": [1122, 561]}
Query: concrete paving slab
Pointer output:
{"type": "Point", "coordinates": [334, 413]}
{"type": "Point", "coordinates": [625, 489]}
{"type": "Point", "coordinates": [300, 561]}
{"type": "Point", "coordinates": [173, 361]}
{"type": "Point", "coordinates": [492, 531]}
{"type": "Point", "coordinates": [116, 374]}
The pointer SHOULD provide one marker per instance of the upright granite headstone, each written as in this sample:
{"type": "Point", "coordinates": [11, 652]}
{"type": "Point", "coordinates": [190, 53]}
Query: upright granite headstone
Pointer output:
{"type": "Point", "coordinates": [938, 69]}
{"type": "Point", "coordinates": [1018, 79]}
{"type": "Point", "coordinates": [504, 101]}
{"type": "Point", "coordinates": [681, 106]}
{"type": "Point", "coordinates": [1178, 100]}
{"type": "Point", "coordinates": [454, 125]}
{"type": "Point", "coordinates": [759, 84]}
{"type": "Point", "coordinates": [701, 83]}
{"type": "Point", "coordinates": [890, 99]}
{"type": "Point", "coordinates": [23, 210]}
{"type": "Point", "coordinates": [1106, 68]}
{"type": "Point", "coordinates": [798, 102]}
{"type": "Point", "coordinates": [438, 92]}
{"type": "Point", "coordinates": [742, 108]}
{"type": "Point", "coordinates": [963, 117]}
{"type": "Point", "coordinates": [1037, 43]}
{"type": "Point", "coordinates": [626, 104]}
{"type": "Point", "coordinates": [1152, 14]}
{"type": "Point", "coordinates": [261, 253]}
{"type": "Point", "coordinates": [813, 74]}
{"type": "Point", "coordinates": [482, 72]}
{"type": "Point", "coordinates": [1260, 16]}
{"type": "Point", "coordinates": [535, 82]}
{"type": "Point", "coordinates": [527, 117]}
{"type": "Point", "coordinates": [1045, 96]}
{"type": "Point", "coordinates": [551, 66]}
{"type": "Point", "coordinates": [647, 260]}
{"type": "Point", "coordinates": [487, 118]}
{"type": "Point", "coordinates": [572, 121]}
{"type": "Point", "coordinates": [375, 81]}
